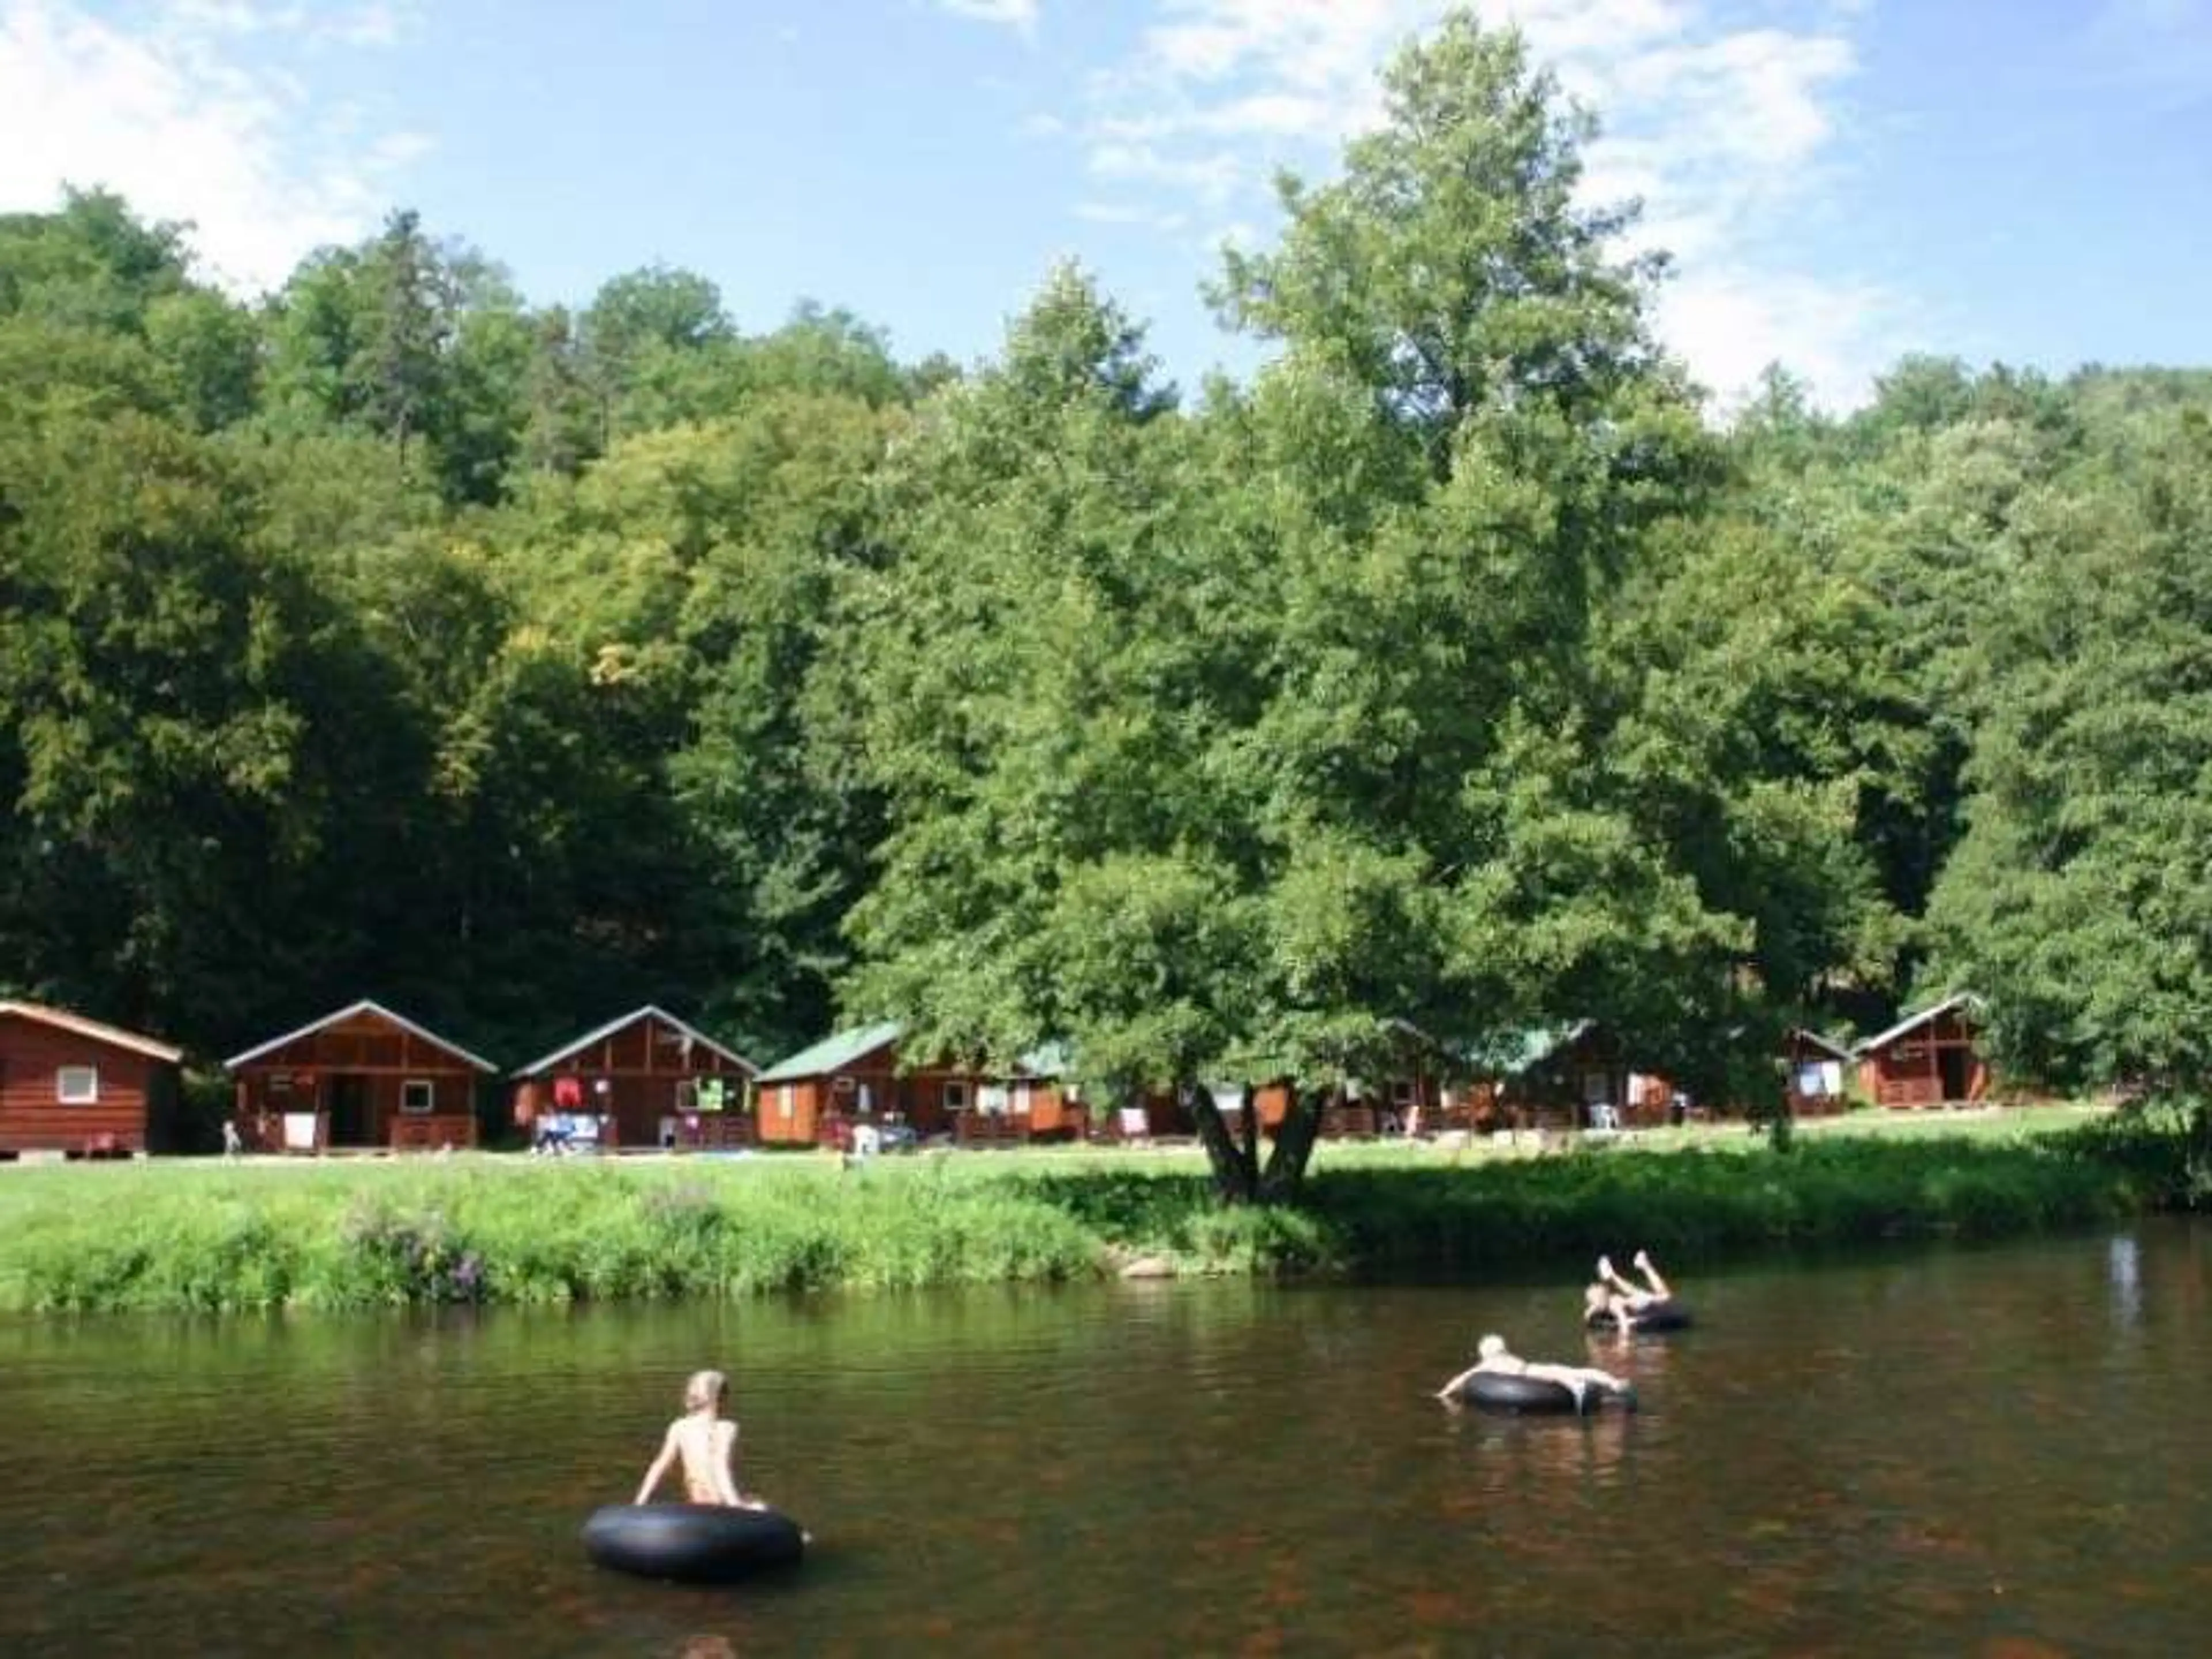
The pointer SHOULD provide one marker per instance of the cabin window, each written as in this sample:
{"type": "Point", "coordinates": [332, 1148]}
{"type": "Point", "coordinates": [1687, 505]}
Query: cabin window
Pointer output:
{"type": "Point", "coordinates": [1597, 1088]}
{"type": "Point", "coordinates": [418, 1096]}
{"type": "Point", "coordinates": [280, 1083]}
{"type": "Point", "coordinates": [78, 1085]}
{"type": "Point", "coordinates": [1021, 1099]}
{"type": "Point", "coordinates": [783, 1100]}
{"type": "Point", "coordinates": [955, 1096]}
{"type": "Point", "coordinates": [1401, 1093]}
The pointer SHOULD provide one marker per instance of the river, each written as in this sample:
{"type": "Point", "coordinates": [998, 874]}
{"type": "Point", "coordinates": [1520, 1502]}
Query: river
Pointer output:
{"type": "Point", "coordinates": [1989, 1452]}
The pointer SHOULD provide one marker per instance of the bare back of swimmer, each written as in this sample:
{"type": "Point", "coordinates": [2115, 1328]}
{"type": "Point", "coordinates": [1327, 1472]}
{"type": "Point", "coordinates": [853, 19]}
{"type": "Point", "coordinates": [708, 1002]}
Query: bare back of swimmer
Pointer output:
{"type": "Point", "coordinates": [705, 1444]}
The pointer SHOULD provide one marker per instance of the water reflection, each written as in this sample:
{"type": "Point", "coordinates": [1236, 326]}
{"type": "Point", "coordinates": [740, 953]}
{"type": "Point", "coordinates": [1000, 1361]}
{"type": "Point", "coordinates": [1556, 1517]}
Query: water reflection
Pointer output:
{"type": "Point", "coordinates": [2123, 1272]}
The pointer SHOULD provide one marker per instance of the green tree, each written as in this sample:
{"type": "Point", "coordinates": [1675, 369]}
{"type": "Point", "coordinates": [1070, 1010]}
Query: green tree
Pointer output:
{"type": "Point", "coordinates": [2077, 901]}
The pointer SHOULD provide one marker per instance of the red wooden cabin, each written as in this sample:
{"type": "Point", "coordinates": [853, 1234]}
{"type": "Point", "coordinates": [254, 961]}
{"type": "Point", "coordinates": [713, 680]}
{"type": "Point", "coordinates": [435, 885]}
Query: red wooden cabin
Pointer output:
{"type": "Point", "coordinates": [1927, 1059]}
{"type": "Point", "coordinates": [363, 1077]}
{"type": "Point", "coordinates": [1815, 1069]}
{"type": "Point", "coordinates": [71, 1084]}
{"type": "Point", "coordinates": [1403, 1105]}
{"type": "Point", "coordinates": [859, 1077]}
{"type": "Point", "coordinates": [645, 1079]}
{"type": "Point", "coordinates": [1572, 1077]}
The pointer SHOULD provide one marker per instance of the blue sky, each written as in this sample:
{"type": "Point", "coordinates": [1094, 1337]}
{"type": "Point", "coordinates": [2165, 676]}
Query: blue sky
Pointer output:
{"type": "Point", "coordinates": [1841, 180]}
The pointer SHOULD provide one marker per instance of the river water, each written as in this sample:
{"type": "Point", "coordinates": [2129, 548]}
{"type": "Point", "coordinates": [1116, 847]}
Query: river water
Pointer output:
{"type": "Point", "coordinates": [1992, 1452]}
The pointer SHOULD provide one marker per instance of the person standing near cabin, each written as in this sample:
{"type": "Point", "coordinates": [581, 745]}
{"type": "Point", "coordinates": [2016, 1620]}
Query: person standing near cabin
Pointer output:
{"type": "Point", "coordinates": [706, 1443]}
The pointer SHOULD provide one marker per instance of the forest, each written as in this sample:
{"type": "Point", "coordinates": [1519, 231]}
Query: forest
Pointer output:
{"type": "Point", "coordinates": [1464, 667]}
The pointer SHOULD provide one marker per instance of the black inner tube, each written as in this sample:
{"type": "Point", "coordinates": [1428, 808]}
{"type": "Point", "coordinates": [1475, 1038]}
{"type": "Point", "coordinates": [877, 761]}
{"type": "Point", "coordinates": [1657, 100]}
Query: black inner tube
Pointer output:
{"type": "Point", "coordinates": [1667, 1315]}
{"type": "Point", "coordinates": [1502, 1391]}
{"type": "Point", "coordinates": [691, 1543]}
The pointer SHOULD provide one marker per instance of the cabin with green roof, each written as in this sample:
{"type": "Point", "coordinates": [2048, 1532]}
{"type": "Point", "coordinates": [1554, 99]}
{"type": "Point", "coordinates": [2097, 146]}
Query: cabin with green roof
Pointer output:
{"type": "Point", "coordinates": [1576, 1076]}
{"type": "Point", "coordinates": [855, 1077]}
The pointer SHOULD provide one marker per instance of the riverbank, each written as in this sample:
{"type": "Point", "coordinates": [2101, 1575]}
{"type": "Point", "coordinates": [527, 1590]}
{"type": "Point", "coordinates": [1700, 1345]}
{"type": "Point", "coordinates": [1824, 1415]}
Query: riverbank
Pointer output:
{"type": "Point", "coordinates": [207, 1236]}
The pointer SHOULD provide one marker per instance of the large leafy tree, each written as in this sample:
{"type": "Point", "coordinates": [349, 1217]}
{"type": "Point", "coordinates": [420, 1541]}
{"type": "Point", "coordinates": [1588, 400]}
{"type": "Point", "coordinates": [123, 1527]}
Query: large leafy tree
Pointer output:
{"type": "Point", "coordinates": [2079, 901]}
{"type": "Point", "coordinates": [1204, 734]}
{"type": "Point", "coordinates": [183, 716]}
{"type": "Point", "coordinates": [677, 638]}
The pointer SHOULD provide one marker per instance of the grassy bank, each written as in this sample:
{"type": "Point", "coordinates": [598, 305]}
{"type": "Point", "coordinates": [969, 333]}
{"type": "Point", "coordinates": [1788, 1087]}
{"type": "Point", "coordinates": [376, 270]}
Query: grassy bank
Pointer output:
{"type": "Point", "coordinates": [211, 1237]}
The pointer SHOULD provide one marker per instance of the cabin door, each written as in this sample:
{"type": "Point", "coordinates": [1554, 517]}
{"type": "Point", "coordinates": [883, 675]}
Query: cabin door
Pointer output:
{"type": "Point", "coordinates": [1954, 1062]}
{"type": "Point", "coordinates": [348, 1105]}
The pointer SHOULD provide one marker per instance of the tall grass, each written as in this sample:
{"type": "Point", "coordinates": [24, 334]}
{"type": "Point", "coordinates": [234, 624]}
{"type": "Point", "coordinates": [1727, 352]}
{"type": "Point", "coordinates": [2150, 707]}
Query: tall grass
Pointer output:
{"type": "Point", "coordinates": [206, 1236]}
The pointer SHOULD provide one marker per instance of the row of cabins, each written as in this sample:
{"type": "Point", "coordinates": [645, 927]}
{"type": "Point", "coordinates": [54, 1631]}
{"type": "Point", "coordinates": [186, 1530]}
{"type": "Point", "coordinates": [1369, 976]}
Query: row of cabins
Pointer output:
{"type": "Point", "coordinates": [366, 1077]}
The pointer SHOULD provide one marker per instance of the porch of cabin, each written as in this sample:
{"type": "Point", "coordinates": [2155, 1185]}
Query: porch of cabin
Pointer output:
{"type": "Point", "coordinates": [413, 1110]}
{"type": "Point", "coordinates": [632, 1112]}
{"type": "Point", "coordinates": [1935, 1064]}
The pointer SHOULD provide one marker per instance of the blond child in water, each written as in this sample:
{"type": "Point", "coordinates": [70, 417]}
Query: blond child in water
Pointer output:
{"type": "Point", "coordinates": [706, 1443]}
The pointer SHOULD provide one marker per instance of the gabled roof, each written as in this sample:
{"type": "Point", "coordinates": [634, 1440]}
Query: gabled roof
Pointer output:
{"type": "Point", "coordinates": [1046, 1060]}
{"type": "Point", "coordinates": [833, 1052]}
{"type": "Point", "coordinates": [61, 1020]}
{"type": "Point", "coordinates": [364, 1007]}
{"type": "Point", "coordinates": [837, 1052]}
{"type": "Point", "coordinates": [1882, 1039]}
{"type": "Point", "coordinates": [1827, 1044]}
{"type": "Point", "coordinates": [649, 1012]}
{"type": "Point", "coordinates": [1515, 1052]}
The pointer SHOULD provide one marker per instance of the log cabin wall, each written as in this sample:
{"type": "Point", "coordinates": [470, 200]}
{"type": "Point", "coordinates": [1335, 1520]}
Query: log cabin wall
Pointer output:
{"type": "Point", "coordinates": [34, 1116]}
{"type": "Point", "coordinates": [651, 1069]}
{"type": "Point", "coordinates": [365, 1080]}
{"type": "Point", "coordinates": [931, 1100]}
{"type": "Point", "coordinates": [1935, 1063]}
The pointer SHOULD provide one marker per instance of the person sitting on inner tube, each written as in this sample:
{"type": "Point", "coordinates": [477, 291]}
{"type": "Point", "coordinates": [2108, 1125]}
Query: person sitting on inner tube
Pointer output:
{"type": "Point", "coordinates": [1624, 1298]}
{"type": "Point", "coordinates": [1493, 1356]}
{"type": "Point", "coordinates": [707, 1444]}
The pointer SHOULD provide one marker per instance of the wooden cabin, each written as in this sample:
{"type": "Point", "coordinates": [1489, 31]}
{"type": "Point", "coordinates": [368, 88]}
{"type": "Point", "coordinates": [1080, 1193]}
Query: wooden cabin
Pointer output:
{"type": "Point", "coordinates": [644, 1079]}
{"type": "Point", "coordinates": [1815, 1071]}
{"type": "Point", "coordinates": [861, 1077]}
{"type": "Point", "coordinates": [1572, 1077]}
{"type": "Point", "coordinates": [73, 1085]}
{"type": "Point", "coordinates": [1400, 1105]}
{"type": "Point", "coordinates": [1928, 1058]}
{"type": "Point", "coordinates": [361, 1078]}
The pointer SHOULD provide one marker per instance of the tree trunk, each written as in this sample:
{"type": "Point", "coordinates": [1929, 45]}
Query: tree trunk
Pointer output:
{"type": "Point", "coordinates": [1235, 1156]}
{"type": "Point", "coordinates": [1294, 1143]}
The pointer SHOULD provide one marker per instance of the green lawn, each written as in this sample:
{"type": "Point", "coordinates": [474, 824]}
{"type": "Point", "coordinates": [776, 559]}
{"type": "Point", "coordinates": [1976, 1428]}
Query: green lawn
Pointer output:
{"type": "Point", "coordinates": [216, 1234]}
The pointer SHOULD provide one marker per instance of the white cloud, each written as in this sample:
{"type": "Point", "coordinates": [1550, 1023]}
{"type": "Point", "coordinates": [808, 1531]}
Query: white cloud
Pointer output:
{"type": "Point", "coordinates": [372, 25]}
{"type": "Point", "coordinates": [1728, 134]}
{"type": "Point", "coordinates": [1020, 14]}
{"type": "Point", "coordinates": [1212, 176]}
{"type": "Point", "coordinates": [1731, 321]}
{"type": "Point", "coordinates": [1128, 213]}
{"type": "Point", "coordinates": [172, 113]}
